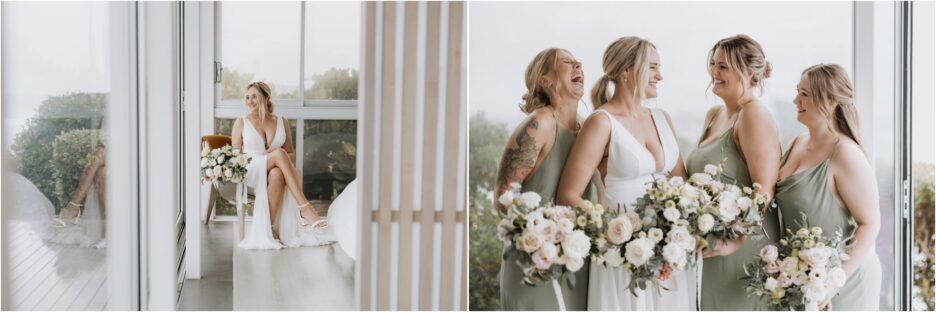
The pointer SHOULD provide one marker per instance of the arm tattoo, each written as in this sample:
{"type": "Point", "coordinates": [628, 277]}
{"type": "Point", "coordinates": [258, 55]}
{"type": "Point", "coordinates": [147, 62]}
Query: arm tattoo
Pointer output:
{"type": "Point", "coordinates": [517, 162]}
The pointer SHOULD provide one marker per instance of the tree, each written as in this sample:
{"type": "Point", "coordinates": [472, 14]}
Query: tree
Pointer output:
{"type": "Point", "coordinates": [34, 147]}
{"type": "Point", "coordinates": [486, 144]}
{"type": "Point", "coordinates": [334, 84]}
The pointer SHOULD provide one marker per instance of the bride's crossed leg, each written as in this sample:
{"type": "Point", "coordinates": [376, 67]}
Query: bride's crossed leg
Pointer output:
{"type": "Point", "coordinates": [282, 173]}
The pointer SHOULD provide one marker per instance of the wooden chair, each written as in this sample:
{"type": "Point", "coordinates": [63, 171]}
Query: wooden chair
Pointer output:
{"type": "Point", "coordinates": [227, 191]}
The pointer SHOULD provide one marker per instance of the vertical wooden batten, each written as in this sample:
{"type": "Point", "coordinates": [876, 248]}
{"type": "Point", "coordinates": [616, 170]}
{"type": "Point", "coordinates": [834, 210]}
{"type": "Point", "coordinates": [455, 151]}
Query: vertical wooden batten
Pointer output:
{"type": "Point", "coordinates": [401, 76]}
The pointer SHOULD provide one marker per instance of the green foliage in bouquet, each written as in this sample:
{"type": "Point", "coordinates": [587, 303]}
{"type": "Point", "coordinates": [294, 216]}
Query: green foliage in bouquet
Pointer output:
{"type": "Point", "coordinates": [33, 146]}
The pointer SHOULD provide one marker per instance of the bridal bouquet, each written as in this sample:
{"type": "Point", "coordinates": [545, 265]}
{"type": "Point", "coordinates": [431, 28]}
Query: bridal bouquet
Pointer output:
{"type": "Point", "coordinates": [224, 164]}
{"type": "Point", "coordinates": [801, 271]}
{"type": "Point", "coordinates": [727, 211]}
{"type": "Point", "coordinates": [657, 238]}
{"type": "Point", "coordinates": [545, 240]}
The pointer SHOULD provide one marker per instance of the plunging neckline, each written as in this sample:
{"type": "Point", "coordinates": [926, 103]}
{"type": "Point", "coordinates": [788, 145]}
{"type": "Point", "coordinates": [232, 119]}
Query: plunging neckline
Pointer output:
{"type": "Point", "coordinates": [656, 129]}
{"type": "Point", "coordinates": [266, 145]}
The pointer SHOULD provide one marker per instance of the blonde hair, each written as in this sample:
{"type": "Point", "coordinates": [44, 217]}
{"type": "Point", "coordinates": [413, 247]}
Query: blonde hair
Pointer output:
{"type": "Point", "coordinates": [543, 64]}
{"type": "Point", "coordinates": [743, 54]}
{"type": "Point", "coordinates": [622, 55]}
{"type": "Point", "coordinates": [265, 93]}
{"type": "Point", "coordinates": [833, 95]}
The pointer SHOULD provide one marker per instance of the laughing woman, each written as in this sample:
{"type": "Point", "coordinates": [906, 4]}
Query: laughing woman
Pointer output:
{"type": "Point", "coordinates": [745, 135]}
{"type": "Point", "coordinates": [534, 157]}
{"type": "Point", "coordinates": [826, 176]}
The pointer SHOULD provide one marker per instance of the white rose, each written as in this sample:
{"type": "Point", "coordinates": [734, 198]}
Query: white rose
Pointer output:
{"type": "Point", "coordinates": [613, 257]}
{"type": "Point", "coordinates": [769, 253]}
{"type": "Point", "coordinates": [564, 227]}
{"type": "Point", "coordinates": [639, 251]}
{"type": "Point", "coordinates": [204, 162]}
{"type": "Point", "coordinates": [716, 186]}
{"type": "Point", "coordinates": [217, 171]}
{"type": "Point", "coordinates": [635, 221]}
{"type": "Point", "coordinates": [577, 244]}
{"type": "Point", "coordinates": [655, 234]}
{"type": "Point", "coordinates": [727, 206]}
{"type": "Point", "coordinates": [701, 178]}
{"type": "Point", "coordinates": [620, 230]}
{"type": "Point", "coordinates": [816, 257]}
{"type": "Point", "coordinates": [789, 265]}
{"type": "Point", "coordinates": [706, 222]}
{"type": "Point", "coordinates": [744, 203]}
{"type": "Point", "coordinates": [800, 278]}
{"type": "Point", "coordinates": [531, 199]}
{"type": "Point", "coordinates": [547, 230]}
{"type": "Point", "coordinates": [681, 237]}
{"type": "Point", "coordinates": [228, 173]}
{"type": "Point", "coordinates": [529, 242]}
{"type": "Point", "coordinates": [814, 291]}
{"type": "Point", "coordinates": [220, 159]}
{"type": "Point", "coordinates": [671, 214]}
{"type": "Point", "coordinates": [534, 220]}
{"type": "Point", "coordinates": [771, 284]}
{"type": "Point", "coordinates": [676, 181]}
{"type": "Point", "coordinates": [674, 254]}
{"type": "Point", "coordinates": [573, 263]}
{"type": "Point", "coordinates": [837, 277]}
{"type": "Point", "coordinates": [544, 257]}
{"type": "Point", "coordinates": [711, 169]}
{"type": "Point", "coordinates": [506, 199]}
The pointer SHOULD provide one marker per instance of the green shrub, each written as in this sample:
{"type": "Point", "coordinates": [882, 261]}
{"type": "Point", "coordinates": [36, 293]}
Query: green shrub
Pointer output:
{"type": "Point", "coordinates": [486, 144]}
{"type": "Point", "coordinates": [71, 152]}
{"type": "Point", "coordinates": [923, 215]}
{"type": "Point", "coordinates": [33, 146]}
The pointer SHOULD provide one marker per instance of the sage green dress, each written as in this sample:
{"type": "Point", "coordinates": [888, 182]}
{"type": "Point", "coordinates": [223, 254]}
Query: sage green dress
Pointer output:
{"type": "Point", "coordinates": [721, 287]}
{"type": "Point", "coordinates": [515, 295]}
{"type": "Point", "coordinates": [809, 192]}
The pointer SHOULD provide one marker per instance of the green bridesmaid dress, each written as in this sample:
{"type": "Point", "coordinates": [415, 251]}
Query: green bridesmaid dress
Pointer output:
{"type": "Point", "coordinates": [518, 296]}
{"type": "Point", "coordinates": [721, 287]}
{"type": "Point", "coordinates": [808, 192]}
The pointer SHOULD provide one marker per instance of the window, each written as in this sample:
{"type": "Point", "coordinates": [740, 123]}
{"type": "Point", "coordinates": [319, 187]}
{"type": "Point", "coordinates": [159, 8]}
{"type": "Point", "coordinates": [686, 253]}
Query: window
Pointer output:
{"type": "Point", "coordinates": [314, 47]}
{"type": "Point", "coordinates": [57, 91]}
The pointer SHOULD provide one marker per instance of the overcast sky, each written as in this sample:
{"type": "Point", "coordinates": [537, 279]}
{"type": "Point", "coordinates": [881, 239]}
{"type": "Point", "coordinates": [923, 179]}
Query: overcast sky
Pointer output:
{"type": "Point", "coordinates": [504, 37]}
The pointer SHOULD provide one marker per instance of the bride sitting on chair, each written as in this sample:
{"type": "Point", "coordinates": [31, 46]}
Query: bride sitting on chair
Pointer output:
{"type": "Point", "coordinates": [277, 219]}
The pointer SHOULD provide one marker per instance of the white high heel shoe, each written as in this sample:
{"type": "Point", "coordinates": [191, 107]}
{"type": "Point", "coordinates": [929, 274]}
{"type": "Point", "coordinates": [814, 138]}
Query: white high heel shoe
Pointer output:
{"type": "Point", "coordinates": [58, 222]}
{"type": "Point", "coordinates": [319, 224]}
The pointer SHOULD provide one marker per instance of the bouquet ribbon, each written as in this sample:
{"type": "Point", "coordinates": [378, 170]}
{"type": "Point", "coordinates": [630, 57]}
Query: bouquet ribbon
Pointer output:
{"type": "Point", "coordinates": [698, 294]}
{"type": "Point", "coordinates": [556, 288]}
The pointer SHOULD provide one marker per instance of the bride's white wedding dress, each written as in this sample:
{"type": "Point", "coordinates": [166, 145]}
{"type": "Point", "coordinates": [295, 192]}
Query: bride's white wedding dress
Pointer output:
{"type": "Point", "coordinates": [630, 167]}
{"type": "Point", "coordinates": [260, 233]}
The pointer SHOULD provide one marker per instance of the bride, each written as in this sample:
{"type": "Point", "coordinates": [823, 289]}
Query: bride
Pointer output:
{"type": "Point", "coordinates": [630, 145]}
{"type": "Point", "coordinates": [277, 219]}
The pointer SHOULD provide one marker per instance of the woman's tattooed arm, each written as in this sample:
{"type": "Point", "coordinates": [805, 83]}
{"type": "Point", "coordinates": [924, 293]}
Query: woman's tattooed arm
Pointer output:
{"type": "Point", "coordinates": [518, 160]}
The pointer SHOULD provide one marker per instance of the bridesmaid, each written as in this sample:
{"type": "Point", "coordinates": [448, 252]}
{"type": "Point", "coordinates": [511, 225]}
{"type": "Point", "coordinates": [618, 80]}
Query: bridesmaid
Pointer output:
{"type": "Point", "coordinates": [534, 157]}
{"type": "Point", "coordinates": [743, 133]}
{"type": "Point", "coordinates": [826, 175]}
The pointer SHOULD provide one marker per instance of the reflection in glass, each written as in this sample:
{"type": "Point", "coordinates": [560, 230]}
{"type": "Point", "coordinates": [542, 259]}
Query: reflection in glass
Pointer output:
{"type": "Point", "coordinates": [56, 89]}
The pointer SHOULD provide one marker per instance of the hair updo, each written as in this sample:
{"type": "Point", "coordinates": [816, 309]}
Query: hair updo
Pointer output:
{"type": "Point", "coordinates": [265, 93]}
{"type": "Point", "coordinates": [543, 64]}
{"type": "Point", "coordinates": [743, 54]}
